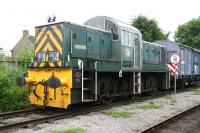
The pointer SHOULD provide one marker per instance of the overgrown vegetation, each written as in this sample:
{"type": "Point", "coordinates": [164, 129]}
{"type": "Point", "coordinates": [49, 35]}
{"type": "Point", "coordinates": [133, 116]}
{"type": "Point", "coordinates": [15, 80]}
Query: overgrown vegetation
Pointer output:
{"type": "Point", "coordinates": [196, 91]}
{"type": "Point", "coordinates": [118, 114]}
{"type": "Point", "coordinates": [150, 105]}
{"type": "Point", "coordinates": [24, 57]}
{"type": "Point", "coordinates": [71, 130]}
{"type": "Point", "coordinates": [12, 97]}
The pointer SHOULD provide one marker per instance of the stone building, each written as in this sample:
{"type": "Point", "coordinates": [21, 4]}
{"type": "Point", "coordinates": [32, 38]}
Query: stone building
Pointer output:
{"type": "Point", "coordinates": [26, 42]}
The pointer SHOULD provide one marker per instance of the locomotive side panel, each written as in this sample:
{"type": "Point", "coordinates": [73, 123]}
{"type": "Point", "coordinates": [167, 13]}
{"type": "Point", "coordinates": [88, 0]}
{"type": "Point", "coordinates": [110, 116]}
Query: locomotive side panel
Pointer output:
{"type": "Point", "coordinates": [154, 57]}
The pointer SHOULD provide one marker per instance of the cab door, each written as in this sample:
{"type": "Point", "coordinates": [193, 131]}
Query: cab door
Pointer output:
{"type": "Point", "coordinates": [106, 47]}
{"type": "Point", "coordinates": [93, 45]}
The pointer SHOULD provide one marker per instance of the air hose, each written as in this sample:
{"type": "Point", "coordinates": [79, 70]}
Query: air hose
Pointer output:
{"type": "Point", "coordinates": [45, 94]}
{"type": "Point", "coordinates": [34, 90]}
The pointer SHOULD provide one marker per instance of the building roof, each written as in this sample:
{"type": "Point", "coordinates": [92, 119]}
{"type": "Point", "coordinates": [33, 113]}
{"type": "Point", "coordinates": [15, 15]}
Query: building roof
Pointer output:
{"type": "Point", "coordinates": [31, 38]}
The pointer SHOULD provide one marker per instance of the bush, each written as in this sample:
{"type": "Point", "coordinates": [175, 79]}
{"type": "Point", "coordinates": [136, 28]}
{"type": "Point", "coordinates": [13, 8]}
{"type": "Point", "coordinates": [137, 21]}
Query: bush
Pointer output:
{"type": "Point", "coordinates": [12, 97]}
{"type": "Point", "coordinates": [24, 57]}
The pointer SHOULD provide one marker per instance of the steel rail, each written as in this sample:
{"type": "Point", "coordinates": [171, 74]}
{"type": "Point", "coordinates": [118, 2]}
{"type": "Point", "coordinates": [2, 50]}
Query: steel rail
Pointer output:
{"type": "Point", "coordinates": [16, 113]}
{"type": "Point", "coordinates": [161, 124]}
{"type": "Point", "coordinates": [61, 116]}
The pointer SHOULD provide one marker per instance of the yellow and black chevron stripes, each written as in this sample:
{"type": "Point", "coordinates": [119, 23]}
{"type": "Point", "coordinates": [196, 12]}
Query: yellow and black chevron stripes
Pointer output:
{"type": "Point", "coordinates": [49, 38]}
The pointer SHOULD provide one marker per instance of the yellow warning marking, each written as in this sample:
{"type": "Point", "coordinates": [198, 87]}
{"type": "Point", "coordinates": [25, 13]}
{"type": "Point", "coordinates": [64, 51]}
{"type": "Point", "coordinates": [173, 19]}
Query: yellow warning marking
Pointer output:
{"type": "Point", "coordinates": [40, 45]}
{"type": "Point", "coordinates": [42, 64]}
{"type": "Point", "coordinates": [59, 63]}
{"type": "Point", "coordinates": [57, 31]}
{"type": "Point", "coordinates": [51, 64]}
{"type": "Point", "coordinates": [49, 47]}
{"type": "Point", "coordinates": [39, 35]}
{"type": "Point", "coordinates": [55, 42]}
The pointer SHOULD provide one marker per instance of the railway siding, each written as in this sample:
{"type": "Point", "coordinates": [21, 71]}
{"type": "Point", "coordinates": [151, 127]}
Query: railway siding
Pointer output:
{"type": "Point", "coordinates": [144, 115]}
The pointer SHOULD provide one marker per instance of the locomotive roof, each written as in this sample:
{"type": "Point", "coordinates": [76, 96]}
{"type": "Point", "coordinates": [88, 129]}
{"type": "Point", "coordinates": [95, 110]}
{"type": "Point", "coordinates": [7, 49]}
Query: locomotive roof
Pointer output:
{"type": "Point", "coordinates": [85, 26]}
{"type": "Point", "coordinates": [117, 22]}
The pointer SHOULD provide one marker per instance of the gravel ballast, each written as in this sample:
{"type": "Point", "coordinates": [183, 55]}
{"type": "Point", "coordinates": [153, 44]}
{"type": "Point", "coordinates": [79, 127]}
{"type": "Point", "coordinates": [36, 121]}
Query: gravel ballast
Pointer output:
{"type": "Point", "coordinates": [140, 119]}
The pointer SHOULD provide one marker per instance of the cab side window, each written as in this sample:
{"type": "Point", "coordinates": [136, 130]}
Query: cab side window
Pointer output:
{"type": "Point", "coordinates": [110, 26]}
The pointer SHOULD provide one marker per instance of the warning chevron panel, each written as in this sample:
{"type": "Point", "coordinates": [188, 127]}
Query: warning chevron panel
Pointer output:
{"type": "Point", "coordinates": [48, 45]}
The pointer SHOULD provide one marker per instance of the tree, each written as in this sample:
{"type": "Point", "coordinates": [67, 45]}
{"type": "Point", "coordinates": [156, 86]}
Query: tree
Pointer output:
{"type": "Point", "coordinates": [149, 28]}
{"type": "Point", "coordinates": [189, 33]}
{"type": "Point", "coordinates": [24, 57]}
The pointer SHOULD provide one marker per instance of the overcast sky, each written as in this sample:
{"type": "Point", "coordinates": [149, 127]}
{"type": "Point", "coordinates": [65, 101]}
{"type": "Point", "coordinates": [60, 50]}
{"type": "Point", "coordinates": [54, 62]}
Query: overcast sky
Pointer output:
{"type": "Point", "coordinates": [15, 14]}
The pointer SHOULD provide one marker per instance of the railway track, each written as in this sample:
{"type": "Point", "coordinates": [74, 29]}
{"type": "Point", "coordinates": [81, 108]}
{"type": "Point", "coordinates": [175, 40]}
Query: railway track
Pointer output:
{"type": "Point", "coordinates": [4, 127]}
{"type": "Point", "coordinates": [162, 124]}
{"type": "Point", "coordinates": [17, 113]}
{"type": "Point", "coordinates": [66, 114]}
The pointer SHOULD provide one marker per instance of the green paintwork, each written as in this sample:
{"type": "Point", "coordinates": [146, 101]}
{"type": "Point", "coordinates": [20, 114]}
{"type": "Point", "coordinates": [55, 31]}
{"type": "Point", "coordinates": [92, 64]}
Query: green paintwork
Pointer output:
{"type": "Point", "coordinates": [154, 58]}
{"type": "Point", "coordinates": [122, 52]}
{"type": "Point", "coordinates": [96, 45]}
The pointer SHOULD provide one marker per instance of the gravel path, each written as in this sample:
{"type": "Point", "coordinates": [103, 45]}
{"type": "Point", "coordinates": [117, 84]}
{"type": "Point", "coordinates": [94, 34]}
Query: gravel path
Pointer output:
{"type": "Point", "coordinates": [142, 118]}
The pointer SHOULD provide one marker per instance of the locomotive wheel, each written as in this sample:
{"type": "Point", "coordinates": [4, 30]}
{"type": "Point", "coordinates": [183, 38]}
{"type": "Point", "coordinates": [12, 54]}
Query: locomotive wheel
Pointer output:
{"type": "Point", "coordinates": [105, 88]}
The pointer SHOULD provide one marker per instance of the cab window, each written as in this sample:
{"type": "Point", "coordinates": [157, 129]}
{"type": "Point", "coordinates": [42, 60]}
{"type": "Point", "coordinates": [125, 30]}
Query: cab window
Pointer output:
{"type": "Point", "coordinates": [136, 39]}
{"type": "Point", "coordinates": [127, 38]}
{"type": "Point", "coordinates": [110, 26]}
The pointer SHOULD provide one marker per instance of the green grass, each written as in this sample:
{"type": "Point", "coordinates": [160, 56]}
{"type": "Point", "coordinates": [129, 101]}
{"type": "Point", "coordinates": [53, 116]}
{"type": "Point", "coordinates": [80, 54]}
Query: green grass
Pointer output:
{"type": "Point", "coordinates": [196, 91]}
{"type": "Point", "coordinates": [170, 97]}
{"type": "Point", "coordinates": [118, 114]}
{"type": "Point", "coordinates": [71, 130]}
{"type": "Point", "coordinates": [150, 105]}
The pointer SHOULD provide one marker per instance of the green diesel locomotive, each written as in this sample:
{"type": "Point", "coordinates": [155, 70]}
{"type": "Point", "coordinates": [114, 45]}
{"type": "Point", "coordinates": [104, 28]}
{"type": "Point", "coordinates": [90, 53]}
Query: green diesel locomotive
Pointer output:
{"type": "Point", "coordinates": [98, 61]}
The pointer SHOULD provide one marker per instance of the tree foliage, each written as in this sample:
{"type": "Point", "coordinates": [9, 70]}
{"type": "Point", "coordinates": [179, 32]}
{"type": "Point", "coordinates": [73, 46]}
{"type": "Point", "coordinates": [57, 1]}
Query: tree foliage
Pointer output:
{"type": "Point", "coordinates": [149, 28]}
{"type": "Point", "coordinates": [189, 33]}
{"type": "Point", "coordinates": [24, 57]}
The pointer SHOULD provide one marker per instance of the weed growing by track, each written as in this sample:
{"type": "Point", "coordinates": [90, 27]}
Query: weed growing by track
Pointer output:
{"type": "Point", "coordinates": [118, 114]}
{"type": "Point", "coordinates": [169, 97]}
{"type": "Point", "coordinates": [150, 105]}
{"type": "Point", "coordinates": [71, 130]}
{"type": "Point", "coordinates": [196, 91]}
